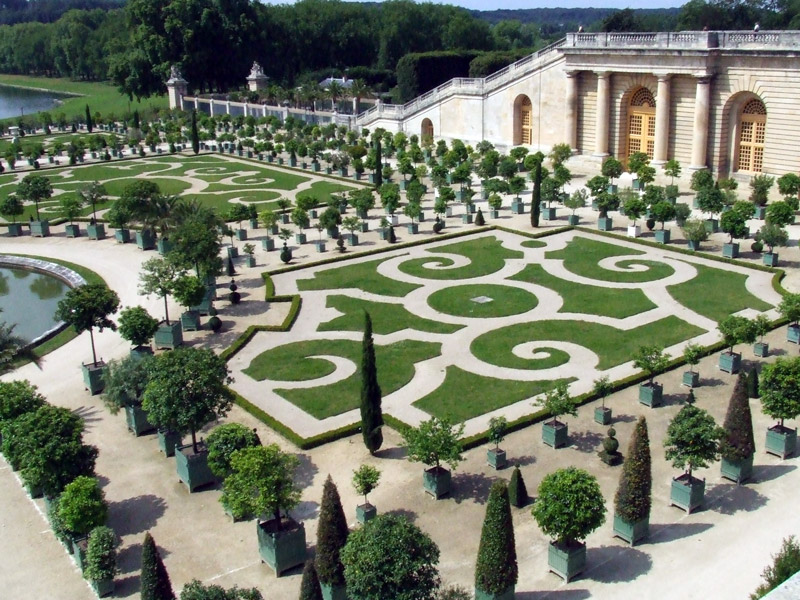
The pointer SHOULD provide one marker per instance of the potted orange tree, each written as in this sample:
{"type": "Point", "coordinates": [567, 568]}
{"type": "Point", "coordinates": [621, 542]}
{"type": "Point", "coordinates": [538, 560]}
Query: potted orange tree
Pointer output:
{"type": "Point", "coordinates": [435, 441]}
{"type": "Point", "coordinates": [780, 399]}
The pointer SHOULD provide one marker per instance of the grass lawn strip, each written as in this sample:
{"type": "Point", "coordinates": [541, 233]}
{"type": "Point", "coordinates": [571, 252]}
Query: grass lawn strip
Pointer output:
{"type": "Point", "coordinates": [470, 301]}
{"type": "Point", "coordinates": [716, 293]}
{"type": "Point", "coordinates": [386, 317]}
{"type": "Point", "coordinates": [363, 276]}
{"type": "Point", "coordinates": [486, 256]}
{"type": "Point", "coordinates": [586, 299]}
{"type": "Point", "coordinates": [464, 395]}
{"type": "Point", "coordinates": [613, 346]}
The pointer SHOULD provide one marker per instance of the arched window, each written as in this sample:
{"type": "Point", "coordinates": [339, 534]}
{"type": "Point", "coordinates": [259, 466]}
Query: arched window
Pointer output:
{"type": "Point", "coordinates": [752, 129]}
{"type": "Point", "coordinates": [426, 132]}
{"type": "Point", "coordinates": [523, 121]}
{"type": "Point", "coordinates": [642, 122]}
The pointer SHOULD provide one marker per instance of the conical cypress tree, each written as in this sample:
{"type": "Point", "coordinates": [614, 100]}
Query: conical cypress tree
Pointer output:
{"type": "Point", "coordinates": [537, 194]}
{"type": "Point", "coordinates": [378, 164]}
{"type": "Point", "coordinates": [496, 570]}
{"type": "Point", "coordinates": [392, 235]}
{"type": "Point", "coordinates": [371, 415]}
{"type": "Point", "coordinates": [752, 383]}
{"type": "Point", "coordinates": [195, 135]}
{"type": "Point", "coordinates": [89, 122]}
{"type": "Point", "coordinates": [739, 443]}
{"type": "Point", "coordinates": [517, 492]}
{"type": "Point", "coordinates": [155, 584]}
{"type": "Point", "coordinates": [331, 536]}
{"type": "Point", "coordinates": [632, 501]}
{"type": "Point", "coordinates": [309, 586]}
{"type": "Point", "coordinates": [479, 220]}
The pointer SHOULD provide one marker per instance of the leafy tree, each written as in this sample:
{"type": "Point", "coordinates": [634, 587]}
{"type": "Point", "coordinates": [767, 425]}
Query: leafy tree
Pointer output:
{"type": "Point", "coordinates": [186, 390]}
{"type": "Point", "coordinates": [672, 169]}
{"type": "Point", "coordinates": [390, 557]}
{"type": "Point", "coordinates": [158, 276]}
{"type": "Point", "coordinates": [88, 306]}
{"type": "Point", "coordinates": [137, 326]}
{"type": "Point", "coordinates": [497, 430]}
{"type": "Point", "coordinates": [634, 207]}
{"type": "Point", "coordinates": [780, 213]}
{"type": "Point", "coordinates": [735, 330]}
{"type": "Point", "coordinates": [93, 193]}
{"type": "Point", "coordinates": [692, 354]}
{"type": "Point", "coordinates": [790, 308]}
{"type": "Point", "coordinates": [309, 586]}
{"type": "Point", "coordinates": [70, 207]}
{"type": "Point", "coordinates": [693, 439]}
{"type": "Point", "coordinates": [633, 498]}
{"type": "Point", "coordinates": [371, 415]}
{"type": "Point", "coordinates": [517, 492]}
{"type": "Point", "coordinates": [224, 441]}
{"type": "Point", "coordinates": [780, 392]}
{"type": "Point", "coordinates": [435, 441]}
{"type": "Point", "coordinates": [82, 506]}
{"type": "Point", "coordinates": [662, 212]}
{"type": "Point", "coordinates": [195, 590]}
{"type": "Point", "coordinates": [602, 388]}
{"type": "Point", "coordinates": [365, 479]}
{"type": "Point", "coordinates": [496, 568]}
{"type": "Point", "coordinates": [772, 235]}
{"type": "Point", "coordinates": [35, 188]}
{"type": "Point", "coordinates": [557, 402]}
{"type": "Point", "coordinates": [785, 564]}
{"type": "Point", "coordinates": [189, 291]}
{"type": "Point", "coordinates": [154, 580]}
{"type": "Point", "coordinates": [576, 200]}
{"type": "Point", "coordinates": [569, 506]}
{"type": "Point", "coordinates": [101, 554]}
{"type": "Point", "coordinates": [16, 399]}
{"type": "Point", "coordinates": [125, 381]}
{"type": "Point", "coordinates": [738, 443]}
{"type": "Point", "coordinates": [262, 481]}
{"type": "Point", "coordinates": [695, 231]}
{"type": "Point", "coordinates": [759, 189]}
{"type": "Point", "coordinates": [611, 168]}
{"type": "Point", "coordinates": [11, 206]}
{"type": "Point", "coordinates": [196, 243]}
{"type": "Point", "coordinates": [331, 536]}
{"type": "Point", "coordinates": [651, 360]}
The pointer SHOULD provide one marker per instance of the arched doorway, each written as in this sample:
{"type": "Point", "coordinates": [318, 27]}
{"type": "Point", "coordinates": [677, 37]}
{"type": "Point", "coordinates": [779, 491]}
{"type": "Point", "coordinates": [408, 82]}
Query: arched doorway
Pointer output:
{"type": "Point", "coordinates": [750, 143]}
{"type": "Point", "coordinates": [642, 122]}
{"type": "Point", "coordinates": [426, 131]}
{"type": "Point", "coordinates": [523, 121]}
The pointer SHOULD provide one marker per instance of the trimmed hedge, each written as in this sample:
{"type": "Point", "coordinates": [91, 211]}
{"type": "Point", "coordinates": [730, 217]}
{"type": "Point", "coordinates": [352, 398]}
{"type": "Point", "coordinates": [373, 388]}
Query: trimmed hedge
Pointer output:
{"type": "Point", "coordinates": [419, 72]}
{"type": "Point", "coordinates": [291, 317]}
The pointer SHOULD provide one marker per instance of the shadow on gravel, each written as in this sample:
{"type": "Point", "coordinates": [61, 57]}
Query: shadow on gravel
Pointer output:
{"type": "Point", "coordinates": [87, 413]}
{"type": "Point", "coordinates": [615, 564]}
{"type": "Point", "coordinates": [136, 515]}
{"type": "Point", "coordinates": [305, 472]}
{"type": "Point", "coordinates": [674, 399]}
{"type": "Point", "coordinates": [473, 486]}
{"type": "Point", "coordinates": [729, 498]}
{"type": "Point", "coordinates": [129, 559]}
{"type": "Point", "coordinates": [521, 461]}
{"type": "Point", "coordinates": [554, 595]}
{"type": "Point", "coordinates": [625, 418]}
{"type": "Point", "coordinates": [402, 512]}
{"type": "Point", "coordinates": [764, 473]}
{"type": "Point", "coordinates": [396, 453]}
{"type": "Point", "coordinates": [662, 534]}
{"type": "Point", "coordinates": [306, 510]}
{"type": "Point", "coordinates": [586, 441]}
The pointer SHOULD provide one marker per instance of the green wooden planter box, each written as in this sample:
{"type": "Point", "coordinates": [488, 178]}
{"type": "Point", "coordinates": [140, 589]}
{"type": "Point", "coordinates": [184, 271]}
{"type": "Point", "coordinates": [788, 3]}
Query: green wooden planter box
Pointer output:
{"type": "Point", "coordinates": [466, 219]}
{"type": "Point", "coordinates": [366, 512]}
{"type": "Point", "coordinates": [383, 233]}
{"type": "Point", "coordinates": [631, 532]}
{"type": "Point", "coordinates": [103, 588]}
{"type": "Point", "coordinates": [72, 230]}
{"type": "Point", "coordinates": [96, 231]}
{"type": "Point", "coordinates": [737, 470]}
{"type": "Point", "coordinates": [688, 497]}
{"type": "Point", "coordinates": [662, 236]}
{"type": "Point", "coordinates": [494, 213]}
{"type": "Point", "coordinates": [602, 416]}
{"type": "Point", "coordinates": [300, 238]}
{"type": "Point", "coordinates": [566, 561]}
{"type": "Point", "coordinates": [507, 594]}
{"type": "Point", "coordinates": [169, 336]}
{"type": "Point", "coordinates": [250, 260]}
{"type": "Point", "coordinates": [793, 334]}
{"type": "Point", "coordinates": [412, 228]}
{"type": "Point", "coordinates": [712, 225]}
{"type": "Point", "coordinates": [555, 435]}
{"type": "Point", "coordinates": [145, 240]}
{"type": "Point", "coordinates": [781, 441]}
{"type": "Point", "coordinates": [605, 223]}
{"type": "Point", "coordinates": [40, 228]}
{"type": "Point", "coordinates": [549, 214]}
{"type": "Point", "coordinates": [193, 467]}
{"type": "Point", "coordinates": [437, 481]}
{"type": "Point", "coordinates": [164, 246]}
{"type": "Point", "coordinates": [770, 259]}
{"type": "Point", "coordinates": [730, 250]}
{"type": "Point", "coordinates": [268, 244]}
{"type": "Point", "coordinates": [79, 547]}
{"type": "Point", "coordinates": [612, 188]}
{"type": "Point", "coordinates": [761, 349]}
{"type": "Point", "coordinates": [730, 362]}
{"type": "Point", "coordinates": [253, 223]}
{"type": "Point", "coordinates": [517, 207]}
{"type": "Point", "coordinates": [204, 308]}
{"type": "Point", "coordinates": [637, 185]}
{"type": "Point", "coordinates": [693, 246]}
{"type": "Point", "coordinates": [320, 244]}
{"type": "Point", "coordinates": [190, 320]}
{"type": "Point", "coordinates": [282, 549]}
{"type": "Point", "coordinates": [136, 419]}
{"type": "Point", "coordinates": [93, 376]}
{"type": "Point", "coordinates": [168, 441]}
{"type": "Point", "coordinates": [691, 379]}
{"type": "Point", "coordinates": [336, 592]}
{"type": "Point", "coordinates": [241, 234]}
{"type": "Point", "coordinates": [14, 230]}
{"type": "Point", "coordinates": [496, 458]}
{"type": "Point", "coordinates": [651, 395]}
{"type": "Point", "coordinates": [352, 240]}
{"type": "Point", "coordinates": [573, 220]}
{"type": "Point", "coordinates": [123, 236]}
{"type": "Point", "coordinates": [233, 252]}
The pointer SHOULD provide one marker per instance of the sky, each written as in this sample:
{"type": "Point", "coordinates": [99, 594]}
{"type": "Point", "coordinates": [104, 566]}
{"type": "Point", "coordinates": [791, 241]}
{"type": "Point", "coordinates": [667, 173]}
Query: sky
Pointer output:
{"type": "Point", "coordinates": [514, 4]}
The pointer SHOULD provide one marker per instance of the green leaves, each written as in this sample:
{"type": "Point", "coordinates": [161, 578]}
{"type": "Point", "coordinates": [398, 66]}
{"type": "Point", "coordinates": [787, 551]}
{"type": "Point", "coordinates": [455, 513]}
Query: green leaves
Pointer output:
{"type": "Point", "coordinates": [633, 498]}
{"type": "Point", "coordinates": [651, 359]}
{"type": "Point", "coordinates": [693, 439]}
{"type": "Point", "coordinates": [557, 402]}
{"type": "Point", "coordinates": [88, 306]}
{"type": "Point", "coordinates": [433, 442]}
{"type": "Point", "coordinates": [780, 388]}
{"type": "Point", "coordinates": [496, 569]}
{"type": "Point", "coordinates": [82, 506]}
{"type": "Point", "coordinates": [738, 443]}
{"type": "Point", "coordinates": [569, 505]}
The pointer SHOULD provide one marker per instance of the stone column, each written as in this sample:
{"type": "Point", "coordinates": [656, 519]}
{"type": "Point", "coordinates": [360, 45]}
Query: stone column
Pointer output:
{"type": "Point", "coordinates": [571, 110]}
{"type": "Point", "coordinates": [603, 113]}
{"type": "Point", "coordinates": [702, 104]}
{"type": "Point", "coordinates": [662, 120]}
{"type": "Point", "coordinates": [211, 107]}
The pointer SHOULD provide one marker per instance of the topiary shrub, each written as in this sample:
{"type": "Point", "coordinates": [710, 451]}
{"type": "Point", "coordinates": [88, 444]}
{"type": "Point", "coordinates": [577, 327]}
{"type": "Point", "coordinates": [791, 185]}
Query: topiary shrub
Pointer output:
{"type": "Point", "coordinates": [331, 537]}
{"type": "Point", "coordinates": [82, 506]}
{"type": "Point", "coordinates": [438, 226]}
{"type": "Point", "coordinates": [101, 555]}
{"type": "Point", "coordinates": [479, 220]}
{"type": "Point", "coordinates": [235, 297]}
{"type": "Point", "coordinates": [609, 454]}
{"type": "Point", "coordinates": [785, 564]}
{"type": "Point", "coordinates": [154, 580]}
{"type": "Point", "coordinates": [223, 442]}
{"type": "Point", "coordinates": [215, 323]}
{"type": "Point", "coordinates": [738, 443]}
{"type": "Point", "coordinates": [309, 586]}
{"type": "Point", "coordinates": [392, 236]}
{"type": "Point", "coordinates": [633, 498]}
{"type": "Point", "coordinates": [517, 492]}
{"type": "Point", "coordinates": [496, 570]}
{"type": "Point", "coordinates": [752, 383]}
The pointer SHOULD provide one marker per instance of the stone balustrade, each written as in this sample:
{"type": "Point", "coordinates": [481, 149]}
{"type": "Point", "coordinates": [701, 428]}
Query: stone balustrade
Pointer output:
{"type": "Point", "coordinates": [688, 40]}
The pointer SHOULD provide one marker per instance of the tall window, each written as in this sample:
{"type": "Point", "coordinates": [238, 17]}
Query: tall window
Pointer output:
{"type": "Point", "coordinates": [642, 122]}
{"type": "Point", "coordinates": [752, 129]}
{"type": "Point", "coordinates": [523, 121]}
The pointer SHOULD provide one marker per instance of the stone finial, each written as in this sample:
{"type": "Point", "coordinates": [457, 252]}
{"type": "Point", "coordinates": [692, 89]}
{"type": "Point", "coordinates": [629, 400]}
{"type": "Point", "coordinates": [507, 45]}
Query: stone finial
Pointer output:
{"type": "Point", "coordinates": [256, 70]}
{"type": "Point", "coordinates": [175, 74]}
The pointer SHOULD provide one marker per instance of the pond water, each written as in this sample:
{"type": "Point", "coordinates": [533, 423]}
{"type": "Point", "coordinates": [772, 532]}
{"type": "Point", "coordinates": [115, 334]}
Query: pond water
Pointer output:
{"type": "Point", "coordinates": [17, 101]}
{"type": "Point", "coordinates": [29, 300]}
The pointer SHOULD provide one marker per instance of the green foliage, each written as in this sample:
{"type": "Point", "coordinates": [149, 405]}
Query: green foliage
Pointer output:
{"type": "Point", "coordinates": [576, 200]}
{"type": "Point", "coordinates": [365, 479]}
{"type": "Point", "coordinates": [70, 207]}
{"type": "Point", "coordinates": [611, 168]}
{"type": "Point", "coordinates": [371, 415]}
{"type": "Point", "coordinates": [693, 439]}
{"type": "Point", "coordinates": [189, 291]}
{"type": "Point", "coordinates": [331, 536]}
{"type": "Point", "coordinates": [634, 208]}
{"type": "Point", "coordinates": [433, 442]}
{"type": "Point", "coordinates": [82, 506]}
{"type": "Point", "coordinates": [738, 443]}
{"type": "Point", "coordinates": [557, 402]}
{"type": "Point", "coordinates": [195, 590]}
{"type": "Point", "coordinates": [785, 564]}
{"type": "Point", "coordinates": [87, 307]}
{"type": "Point", "coordinates": [772, 235]}
{"type": "Point", "coordinates": [309, 586]}
{"type": "Point", "coordinates": [496, 568]}
{"type": "Point", "coordinates": [692, 353]}
{"type": "Point", "coordinates": [780, 388]}
{"type": "Point", "coordinates": [262, 481]}
{"type": "Point", "coordinates": [186, 390]}
{"type": "Point", "coordinates": [702, 179]}
{"type": "Point", "coordinates": [759, 189]}
{"type": "Point", "coordinates": [736, 330]}
{"type": "Point", "coordinates": [517, 492]}
{"type": "Point", "coordinates": [223, 441]}
{"type": "Point", "coordinates": [780, 213]}
{"type": "Point", "coordinates": [419, 72]}
{"type": "Point", "coordinates": [18, 398]}
{"type": "Point", "coordinates": [10, 206]}
{"type": "Point", "coordinates": [790, 308]}
{"type": "Point", "coordinates": [536, 199]}
{"type": "Point", "coordinates": [651, 359]}
{"type": "Point", "coordinates": [633, 498]}
{"type": "Point", "coordinates": [35, 188]}
{"type": "Point", "coordinates": [125, 380]}
{"type": "Point", "coordinates": [154, 580]}
{"type": "Point", "coordinates": [569, 505]}
{"type": "Point", "coordinates": [137, 325]}
{"type": "Point", "coordinates": [101, 555]}
{"type": "Point", "coordinates": [695, 231]}
{"type": "Point", "coordinates": [497, 430]}
{"type": "Point", "coordinates": [390, 557]}
{"type": "Point", "coordinates": [158, 276]}
{"type": "Point", "coordinates": [710, 200]}
{"type": "Point", "coordinates": [663, 211]}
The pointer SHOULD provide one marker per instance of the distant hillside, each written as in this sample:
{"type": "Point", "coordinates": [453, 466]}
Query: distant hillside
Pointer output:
{"type": "Point", "coordinates": [47, 11]}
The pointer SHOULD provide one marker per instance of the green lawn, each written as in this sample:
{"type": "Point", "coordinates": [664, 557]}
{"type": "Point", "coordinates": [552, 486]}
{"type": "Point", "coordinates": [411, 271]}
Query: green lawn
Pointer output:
{"type": "Point", "coordinates": [533, 244]}
{"type": "Point", "coordinates": [363, 276]}
{"type": "Point", "coordinates": [613, 346]}
{"type": "Point", "coordinates": [386, 318]}
{"type": "Point", "coordinates": [588, 299]}
{"type": "Point", "coordinates": [464, 395]}
{"type": "Point", "coordinates": [486, 256]}
{"type": "Point", "coordinates": [460, 301]}
{"type": "Point", "coordinates": [582, 256]}
{"type": "Point", "coordinates": [395, 365]}
{"type": "Point", "coordinates": [101, 97]}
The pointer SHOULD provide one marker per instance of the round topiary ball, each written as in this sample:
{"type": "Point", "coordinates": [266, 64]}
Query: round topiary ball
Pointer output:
{"type": "Point", "coordinates": [610, 444]}
{"type": "Point", "coordinates": [235, 297]}
{"type": "Point", "coordinates": [756, 246]}
{"type": "Point", "coordinates": [438, 226]}
{"type": "Point", "coordinates": [286, 254]}
{"type": "Point", "coordinates": [215, 323]}
{"type": "Point", "coordinates": [651, 223]}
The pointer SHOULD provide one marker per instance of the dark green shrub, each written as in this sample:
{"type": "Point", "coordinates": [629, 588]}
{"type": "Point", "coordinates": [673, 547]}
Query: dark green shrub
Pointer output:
{"type": "Point", "coordinates": [785, 564]}
{"type": "Point", "coordinates": [154, 580]}
{"type": "Point", "coordinates": [224, 441]}
{"type": "Point", "coordinates": [82, 506]}
{"type": "Point", "coordinates": [496, 570]}
{"type": "Point", "coordinates": [194, 590]}
{"type": "Point", "coordinates": [331, 536]}
{"type": "Point", "coordinates": [101, 555]}
{"type": "Point", "coordinates": [309, 586]}
{"type": "Point", "coordinates": [517, 492]}
{"type": "Point", "coordinates": [752, 383]}
{"type": "Point", "coordinates": [215, 323]}
{"type": "Point", "coordinates": [479, 220]}
{"type": "Point", "coordinates": [633, 497]}
{"type": "Point", "coordinates": [738, 443]}
{"type": "Point", "coordinates": [569, 505]}
{"type": "Point", "coordinates": [18, 398]}
{"type": "Point", "coordinates": [371, 414]}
